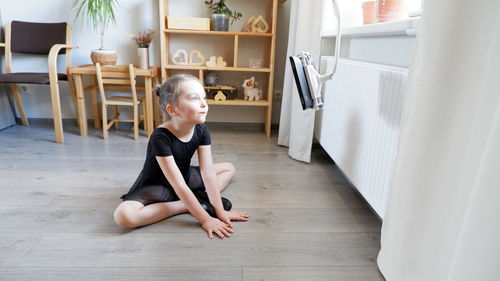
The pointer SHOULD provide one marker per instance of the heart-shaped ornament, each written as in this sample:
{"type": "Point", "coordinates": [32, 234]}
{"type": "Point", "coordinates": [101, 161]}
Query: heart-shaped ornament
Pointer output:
{"type": "Point", "coordinates": [221, 62]}
{"type": "Point", "coordinates": [260, 25]}
{"type": "Point", "coordinates": [212, 62]}
{"type": "Point", "coordinates": [180, 57]}
{"type": "Point", "coordinates": [247, 27]}
{"type": "Point", "coordinates": [220, 96]}
{"type": "Point", "coordinates": [200, 57]}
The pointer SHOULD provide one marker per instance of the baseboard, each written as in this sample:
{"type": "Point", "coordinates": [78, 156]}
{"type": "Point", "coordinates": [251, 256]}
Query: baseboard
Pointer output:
{"type": "Point", "coordinates": [211, 125]}
{"type": "Point", "coordinates": [239, 126]}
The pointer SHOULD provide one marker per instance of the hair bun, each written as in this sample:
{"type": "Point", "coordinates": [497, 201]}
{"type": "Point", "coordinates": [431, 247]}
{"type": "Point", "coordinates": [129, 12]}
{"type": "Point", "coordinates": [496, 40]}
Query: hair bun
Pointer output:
{"type": "Point", "coordinates": [156, 91]}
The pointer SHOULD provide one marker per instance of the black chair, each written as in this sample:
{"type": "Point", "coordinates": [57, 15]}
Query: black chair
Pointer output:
{"type": "Point", "coordinates": [50, 39]}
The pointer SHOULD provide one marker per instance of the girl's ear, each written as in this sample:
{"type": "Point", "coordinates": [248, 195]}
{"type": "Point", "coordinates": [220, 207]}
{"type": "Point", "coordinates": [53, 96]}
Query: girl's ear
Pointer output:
{"type": "Point", "coordinates": [171, 110]}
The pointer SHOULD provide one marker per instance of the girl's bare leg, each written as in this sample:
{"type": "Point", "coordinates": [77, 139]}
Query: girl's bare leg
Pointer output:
{"type": "Point", "coordinates": [132, 214]}
{"type": "Point", "coordinates": [225, 174]}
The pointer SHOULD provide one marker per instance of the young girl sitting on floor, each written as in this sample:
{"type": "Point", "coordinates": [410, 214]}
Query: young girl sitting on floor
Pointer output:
{"type": "Point", "coordinates": [167, 175]}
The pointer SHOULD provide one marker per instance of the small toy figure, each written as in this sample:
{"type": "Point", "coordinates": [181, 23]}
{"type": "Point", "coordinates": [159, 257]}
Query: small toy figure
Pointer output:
{"type": "Point", "coordinates": [250, 89]}
{"type": "Point", "coordinates": [211, 79]}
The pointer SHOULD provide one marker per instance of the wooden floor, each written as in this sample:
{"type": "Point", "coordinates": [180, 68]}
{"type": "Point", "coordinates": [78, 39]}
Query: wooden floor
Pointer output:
{"type": "Point", "coordinates": [56, 214]}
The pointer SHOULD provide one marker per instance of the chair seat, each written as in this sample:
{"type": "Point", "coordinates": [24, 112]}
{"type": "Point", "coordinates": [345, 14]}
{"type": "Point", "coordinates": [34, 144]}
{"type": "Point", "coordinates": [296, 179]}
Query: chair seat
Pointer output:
{"type": "Point", "coordinates": [29, 78]}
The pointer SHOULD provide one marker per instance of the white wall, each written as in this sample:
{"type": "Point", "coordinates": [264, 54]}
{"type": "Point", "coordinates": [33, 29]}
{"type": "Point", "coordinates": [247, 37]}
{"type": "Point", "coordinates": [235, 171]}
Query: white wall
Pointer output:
{"type": "Point", "coordinates": [134, 16]}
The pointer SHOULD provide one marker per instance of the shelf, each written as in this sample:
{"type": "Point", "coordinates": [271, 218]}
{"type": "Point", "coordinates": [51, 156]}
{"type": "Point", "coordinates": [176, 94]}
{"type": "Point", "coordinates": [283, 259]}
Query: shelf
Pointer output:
{"type": "Point", "coordinates": [238, 47]}
{"type": "Point", "coordinates": [201, 67]}
{"type": "Point", "coordinates": [223, 33]}
{"type": "Point", "coordinates": [239, 102]}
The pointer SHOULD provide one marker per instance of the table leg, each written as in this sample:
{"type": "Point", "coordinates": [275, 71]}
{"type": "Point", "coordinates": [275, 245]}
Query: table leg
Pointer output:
{"type": "Point", "coordinates": [81, 104]}
{"type": "Point", "coordinates": [71, 85]}
{"type": "Point", "coordinates": [156, 110]}
{"type": "Point", "coordinates": [148, 91]}
{"type": "Point", "coordinates": [95, 105]}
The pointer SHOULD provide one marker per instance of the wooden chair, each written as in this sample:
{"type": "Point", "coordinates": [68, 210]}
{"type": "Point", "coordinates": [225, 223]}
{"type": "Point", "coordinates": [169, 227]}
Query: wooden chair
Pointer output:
{"type": "Point", "coordinates": [118, 76]}
{"type": "Point", "coordinates": [50, 39]}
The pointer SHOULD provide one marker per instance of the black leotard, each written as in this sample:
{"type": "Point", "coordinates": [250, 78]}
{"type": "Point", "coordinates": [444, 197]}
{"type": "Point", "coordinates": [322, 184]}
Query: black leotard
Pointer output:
{"type": "Point", "coordinates": [151, 185]}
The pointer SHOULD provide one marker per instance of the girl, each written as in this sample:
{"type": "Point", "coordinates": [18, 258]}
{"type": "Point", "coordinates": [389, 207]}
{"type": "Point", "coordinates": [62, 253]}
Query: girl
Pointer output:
{"type": "Point", "coordinates": [167, 175]}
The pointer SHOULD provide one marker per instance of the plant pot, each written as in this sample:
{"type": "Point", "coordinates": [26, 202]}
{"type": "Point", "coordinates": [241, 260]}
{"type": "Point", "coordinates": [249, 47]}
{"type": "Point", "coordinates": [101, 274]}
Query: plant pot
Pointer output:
{"type": "Point", "coordinates": [369, 12]}
{"type": "Point", "coordinates": [390, 10]}
{"type": "Point", "coordinates": [142, 58]}
{"type": "Point", "coordinates": [104, 57]}
{"type": "Point", "coordinates": [219, 22]}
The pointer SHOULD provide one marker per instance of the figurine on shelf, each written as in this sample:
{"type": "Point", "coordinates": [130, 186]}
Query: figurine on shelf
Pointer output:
{"type": "Point", "coordinates": [220, 96]}
{"type": "Point", "coordinates": [211, 79]}
{"type": "Point", "coordinates": [251, 91]}
{"type": "Point", "coordinates": [256, 25]}
{"type": "Point", "coordinates": [216, 61]}
{"type": "Point", "coordinates": [255, 62]}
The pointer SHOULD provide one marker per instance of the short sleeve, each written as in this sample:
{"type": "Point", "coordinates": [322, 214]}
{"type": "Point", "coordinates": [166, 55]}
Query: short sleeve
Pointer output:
{"type": "Point", "coordinates": [161, 145]}
{"type": "Point", "coordinates": [204, 135]}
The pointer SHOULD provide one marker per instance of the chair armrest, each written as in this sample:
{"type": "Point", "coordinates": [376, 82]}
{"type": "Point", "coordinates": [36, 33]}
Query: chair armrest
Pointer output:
{"type": "Point", "coordinates": [54, 51]}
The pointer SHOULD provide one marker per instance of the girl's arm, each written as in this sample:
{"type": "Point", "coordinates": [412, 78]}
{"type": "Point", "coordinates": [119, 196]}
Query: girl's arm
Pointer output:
{"type": "Point", "coordinates": [174, 177]}
{"type": "Point", "coordinates": [210, 177]}
{"type": "Point", "coordinates": [212, 186]}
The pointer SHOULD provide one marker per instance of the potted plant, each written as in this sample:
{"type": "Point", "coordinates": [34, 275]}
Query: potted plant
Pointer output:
{"type": "Point", "coordinates": [221, 14]}
{"type": "Point", "coordinates": [143, 39]}
{"type": "Point", "coordinates": [99, 14]}
{"type": "Point", "coordinates": [391, 10]}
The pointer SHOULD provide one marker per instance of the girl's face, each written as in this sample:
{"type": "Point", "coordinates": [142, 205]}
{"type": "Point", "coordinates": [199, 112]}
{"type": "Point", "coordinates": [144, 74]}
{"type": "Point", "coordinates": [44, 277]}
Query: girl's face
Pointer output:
{"type": "Point", "coordinates": [191, 103]}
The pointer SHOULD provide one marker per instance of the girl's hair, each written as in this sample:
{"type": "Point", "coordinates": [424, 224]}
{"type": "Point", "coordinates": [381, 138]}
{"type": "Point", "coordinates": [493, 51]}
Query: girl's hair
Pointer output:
{"type": "Point", "coordinates": [170, 90]}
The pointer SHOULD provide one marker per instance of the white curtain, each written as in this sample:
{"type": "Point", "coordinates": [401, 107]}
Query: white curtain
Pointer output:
{"type": "Point", "coordinates": [297, 126]}
{"type": "Point", "coordinates": [443, 218]}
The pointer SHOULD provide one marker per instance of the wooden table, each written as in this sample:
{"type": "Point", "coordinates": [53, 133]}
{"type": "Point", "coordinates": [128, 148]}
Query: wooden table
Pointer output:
{"type": "Point", "coordinates": [150, 81]}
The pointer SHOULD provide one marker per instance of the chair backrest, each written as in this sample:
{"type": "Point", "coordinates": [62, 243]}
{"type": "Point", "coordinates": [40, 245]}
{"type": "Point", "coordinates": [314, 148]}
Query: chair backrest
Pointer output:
{"type": "Point", "coordinates": [36, 38]}
{"type": "Point", "coordinates": [119, 75]}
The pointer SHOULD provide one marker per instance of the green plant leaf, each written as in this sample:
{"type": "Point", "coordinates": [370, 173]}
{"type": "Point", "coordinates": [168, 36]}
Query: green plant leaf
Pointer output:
{"type": "Point", "coordinates": [98, 13]}
{"type": "Point", "coordinates": [220, 7]}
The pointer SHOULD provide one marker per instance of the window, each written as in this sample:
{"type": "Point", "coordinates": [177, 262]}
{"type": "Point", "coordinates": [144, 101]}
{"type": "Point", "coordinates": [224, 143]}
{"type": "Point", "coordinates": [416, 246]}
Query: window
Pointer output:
{"type": "Point", "coordinates": [353, 14]}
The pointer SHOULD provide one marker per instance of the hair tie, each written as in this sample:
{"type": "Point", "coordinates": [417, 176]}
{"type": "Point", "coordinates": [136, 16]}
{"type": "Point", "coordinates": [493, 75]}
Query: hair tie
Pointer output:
{"type": "Point", "coordinates": [156, 91]}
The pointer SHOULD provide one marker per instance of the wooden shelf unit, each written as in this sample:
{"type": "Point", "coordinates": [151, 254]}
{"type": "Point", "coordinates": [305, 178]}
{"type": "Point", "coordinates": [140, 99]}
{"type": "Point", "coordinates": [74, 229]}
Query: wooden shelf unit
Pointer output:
{"type": "Point", "coordinates": [239, 102]}
{"type": "Point", "coordinates": [230, 68]}
{"type": "Point", "coordinates": [166, 65]}
{"type": "Point", "coordinates": [223, 33]}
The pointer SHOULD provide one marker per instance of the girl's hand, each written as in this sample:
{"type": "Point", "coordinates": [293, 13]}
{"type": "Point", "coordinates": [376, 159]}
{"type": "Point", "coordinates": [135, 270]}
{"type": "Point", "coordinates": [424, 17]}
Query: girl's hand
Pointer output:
{"type": "Point", "coordinates": [213, 225]}
{"type": "Point", "coordinates": [225, 217]}
{"type": "Point", "coordinates": [236, 215]}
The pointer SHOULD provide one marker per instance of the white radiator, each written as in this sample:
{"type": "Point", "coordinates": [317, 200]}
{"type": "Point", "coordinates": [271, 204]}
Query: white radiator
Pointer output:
{"type": "Point", "coordinates": [359, 124]}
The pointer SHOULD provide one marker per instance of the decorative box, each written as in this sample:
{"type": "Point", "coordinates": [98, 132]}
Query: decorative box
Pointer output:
{"type": "Point", "coordinates": [230, 92]}
{"type": "Point", "coordinates": [188, 23]}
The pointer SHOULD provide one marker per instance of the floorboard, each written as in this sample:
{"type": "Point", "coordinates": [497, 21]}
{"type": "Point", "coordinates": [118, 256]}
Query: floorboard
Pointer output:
{"type": "Point", "coordinates": [307, 222]}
